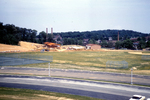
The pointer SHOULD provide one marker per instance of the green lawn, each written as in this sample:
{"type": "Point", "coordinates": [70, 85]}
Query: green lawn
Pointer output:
{"type": "Point", "coordinates": [96, 59]}
{"type": "Point", "coordinates": [27, 94]}
{"type": "Point", "coordinates": [90, 60]}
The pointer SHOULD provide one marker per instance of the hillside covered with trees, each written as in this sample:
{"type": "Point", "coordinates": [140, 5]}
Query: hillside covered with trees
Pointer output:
{"type": "Point", "coordinates": [102, 34]}
{"type": "Point", "coordinates": [11, 34]}
{"type": "Point", "coordinates": [93, 36]}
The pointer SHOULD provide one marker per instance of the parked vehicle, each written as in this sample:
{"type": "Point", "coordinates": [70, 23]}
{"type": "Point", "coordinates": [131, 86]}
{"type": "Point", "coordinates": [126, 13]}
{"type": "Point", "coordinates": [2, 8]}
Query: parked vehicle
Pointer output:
{"type": "Point", "coordinates": [137, 97]}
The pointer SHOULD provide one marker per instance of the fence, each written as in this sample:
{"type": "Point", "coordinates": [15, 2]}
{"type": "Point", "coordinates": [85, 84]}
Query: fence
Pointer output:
{"type": "Point", "coordinates": [145, 57]}
{"type": "Point", "coordinates": [21, 59]}
{"type": "Point", "coordinates": [117, 64]}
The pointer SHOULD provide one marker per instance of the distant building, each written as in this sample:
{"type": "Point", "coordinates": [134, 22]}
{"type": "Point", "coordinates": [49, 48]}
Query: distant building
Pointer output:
{"type": "Point", "coordinates": [98, 41]}
{"type": "Point", "coordinates": [113, 42]}
{"type": "Point", "coordinates": [147, 38]}
{"type": "Point", "coordinates": [93, 46]}
{"type": "Point", "coordinates": [110, 38]}
{"type": "Point", "coordinates": [133, 39]}
{"type": "Point", "coordinates": [85, 41]}
{"type": "Point", "coordinates": [58, 39]}
{"type": "Point", "coordinates": [135, 44]}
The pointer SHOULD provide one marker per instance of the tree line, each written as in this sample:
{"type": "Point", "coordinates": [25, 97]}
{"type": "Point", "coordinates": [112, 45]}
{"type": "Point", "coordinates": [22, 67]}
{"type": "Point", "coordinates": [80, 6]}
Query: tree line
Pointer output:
{"type": "Point", "coordinates": [102, 34]}
{"type": "Point", "coordinates": [11, 34]}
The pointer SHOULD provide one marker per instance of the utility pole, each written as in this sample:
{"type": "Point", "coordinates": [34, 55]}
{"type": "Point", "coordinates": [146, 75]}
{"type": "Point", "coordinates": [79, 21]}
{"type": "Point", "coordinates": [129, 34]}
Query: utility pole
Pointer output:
{"type": "Point", "coordinates": [49, 69]}
{"type": "Point", "coordinates": [131, 76]}
{"type": "Point", "coordinates": [118, 35]}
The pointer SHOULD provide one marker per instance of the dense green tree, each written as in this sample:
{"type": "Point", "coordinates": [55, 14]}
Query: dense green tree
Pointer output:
{"type": "Point", "coordinates": [118, 44]}
{"type": "Point", "coordinates": [65, 41]}
{"type": "Point", "coordinates": [104, 43]}
{"type": "Point", "coordinates": [92, 41]}
{"type": "Point", "coordinates": [33, 36]}
{"type": "Point", "coordinates": [1, 25]}
{"type": "Point", "coordinates": [69, 41]}
{"type": "Point", "coordinates": [127, 44]}
{"type": "Point", "coordinates": [10, 34]}
{"type": "Point", "coordinates": [139, 39]}
{"type": "Point", "coordinates": [42, 37]}
{"type": "Point", "coordinates": [80, 42]}
{"type": "Point", "coordinates": [110, 44]}
{"type": "Point", "coordinates": [142, 44]}
{"type": "Point", "coordinates": [143, 38]}
{"type": "Point", "coordinates": [50, 38]}
{"type": "Point", "coordinates": [76, 41]}
{"type": "Point", "coordinates": [148, 43]}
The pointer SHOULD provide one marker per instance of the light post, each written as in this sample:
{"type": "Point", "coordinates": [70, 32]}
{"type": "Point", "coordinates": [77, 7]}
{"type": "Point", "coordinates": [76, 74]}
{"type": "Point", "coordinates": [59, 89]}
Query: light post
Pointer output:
{"type": "Point", "coordinates": [131, 76]}
{"type": "Point", "coordinates": [49, 68]}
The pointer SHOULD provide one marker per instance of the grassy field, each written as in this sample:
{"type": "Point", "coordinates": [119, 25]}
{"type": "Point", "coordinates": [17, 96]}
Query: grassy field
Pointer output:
{"type": "Point", "coordinates": [27, 94]}
{"type": "Point", "coordinates": [94, 60]}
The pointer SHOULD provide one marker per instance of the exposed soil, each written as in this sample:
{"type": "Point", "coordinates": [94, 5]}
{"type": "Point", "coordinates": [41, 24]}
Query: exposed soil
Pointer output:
{"type": "Point", "coordinates": [139, 53]}
{"type": "Point", "coordinates": [22, 47]}
{"type": "Point", "coordinates": [12, 48]}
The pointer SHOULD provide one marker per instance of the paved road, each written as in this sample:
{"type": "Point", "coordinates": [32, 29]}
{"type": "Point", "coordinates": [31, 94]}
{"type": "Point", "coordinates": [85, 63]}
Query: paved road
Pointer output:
{"type": "Point", "coordinates": [101, 90]}
{"type": "Point", "coordinates": [114, 77]}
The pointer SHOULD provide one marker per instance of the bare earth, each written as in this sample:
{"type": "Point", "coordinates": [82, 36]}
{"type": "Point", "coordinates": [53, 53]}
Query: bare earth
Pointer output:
{"type": "Point", "coordinates": [12, 48]}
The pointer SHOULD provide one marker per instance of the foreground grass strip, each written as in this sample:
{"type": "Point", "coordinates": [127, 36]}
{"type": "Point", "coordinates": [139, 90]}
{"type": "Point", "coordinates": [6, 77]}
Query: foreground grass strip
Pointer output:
{"type": "Point", "coordinates": [27, 94]}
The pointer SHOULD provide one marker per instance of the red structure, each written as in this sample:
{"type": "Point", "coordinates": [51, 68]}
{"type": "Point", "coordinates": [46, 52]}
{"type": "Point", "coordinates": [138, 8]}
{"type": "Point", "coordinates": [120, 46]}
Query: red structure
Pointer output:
{"type": "Point", "coordinates": [52, 45]}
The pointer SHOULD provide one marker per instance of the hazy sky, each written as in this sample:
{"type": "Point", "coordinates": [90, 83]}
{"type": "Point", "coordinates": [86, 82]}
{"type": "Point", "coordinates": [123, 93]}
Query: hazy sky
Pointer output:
{"type": "Point", "coordinates": [77, 15]}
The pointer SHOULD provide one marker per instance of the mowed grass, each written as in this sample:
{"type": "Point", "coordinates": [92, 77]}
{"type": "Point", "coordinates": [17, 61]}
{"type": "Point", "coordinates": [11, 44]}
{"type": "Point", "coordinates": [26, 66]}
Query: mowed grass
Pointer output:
{"type": "Point", "coordinates": [96, 59]}
{"type": "Point", "coordinates": [92, 60]}
{"type": "Point", "coordinates": [27, 94]}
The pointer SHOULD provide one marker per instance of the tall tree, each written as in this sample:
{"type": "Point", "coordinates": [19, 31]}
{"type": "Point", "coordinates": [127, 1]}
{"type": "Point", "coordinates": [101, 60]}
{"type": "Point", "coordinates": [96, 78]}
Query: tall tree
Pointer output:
{"type": "Point", "coordinates": [127, 44]}
{"type": "Point", "coordinates": [104, 43]}
{"type": "Point", "coordinates": [42, 37]}
{"type": "Point", "coordinates": [65, 42]}
{"type": "Point", "coordinates": [33, 35]}
{"type": "Point", "coordinates": [80, 42]}
{"type": "Point", "coordinates": [50, 38]}
{"type": "Point", "coordinates": [142, 44]}
{"type": "Point", "coordinates": [110, 44]}
{"type": "Point", "coordinates": [148, 43]}
{"type": "Point", "coordinates": [118, 44]}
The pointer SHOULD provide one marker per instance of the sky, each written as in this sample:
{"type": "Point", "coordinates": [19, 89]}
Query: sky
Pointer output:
{"type": "Point", "coordinates": [77, 15]}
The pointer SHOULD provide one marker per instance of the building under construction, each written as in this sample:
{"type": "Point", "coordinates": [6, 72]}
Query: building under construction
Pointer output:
{"type": "Point", "coordinates": [50, 45]}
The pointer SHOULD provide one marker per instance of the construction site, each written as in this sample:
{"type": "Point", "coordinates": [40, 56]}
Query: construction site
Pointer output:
{"type": "Point", "coordinates": [35, 47]}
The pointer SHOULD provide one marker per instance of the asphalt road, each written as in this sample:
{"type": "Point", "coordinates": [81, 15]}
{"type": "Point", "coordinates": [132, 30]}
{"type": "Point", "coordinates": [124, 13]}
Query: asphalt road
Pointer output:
{"type": "Point", "coordinates": [105, 76]}
{"type": "Point", "coordinates": [107, 91]}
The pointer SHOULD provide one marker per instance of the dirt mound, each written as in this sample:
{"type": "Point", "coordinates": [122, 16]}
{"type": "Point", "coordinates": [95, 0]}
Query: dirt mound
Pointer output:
{"type": "Point", "coordinates": [12, 48]}
{"type": "Point", "coordinates": [23, 47]}
{"type": "Point", "coordinates": [30, 45]}
{"type": "Point", "coordinates": [140, 53]}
